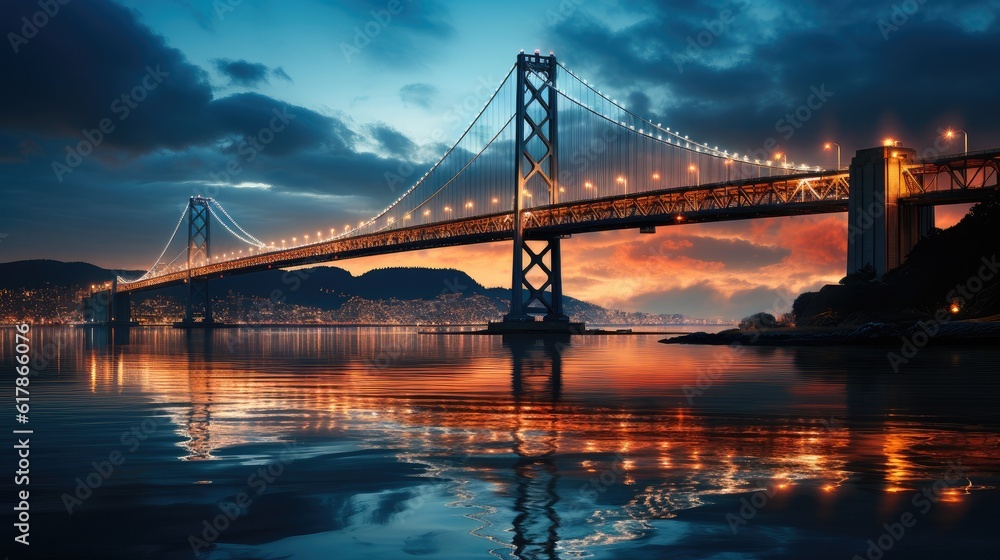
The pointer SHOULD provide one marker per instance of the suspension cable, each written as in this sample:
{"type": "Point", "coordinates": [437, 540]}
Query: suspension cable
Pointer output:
{"type": "Point", "coordinates": [258, 242]}
{"type": "Point", "coordinates": [172, 235]}
{"type": "Point", "coordinates": [436, 165]}
{"type": "Point", "coordinates": [236, 235]}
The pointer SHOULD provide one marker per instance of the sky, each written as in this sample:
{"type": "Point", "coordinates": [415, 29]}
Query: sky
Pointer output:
{"type": "Point", "coordinates": [376, 86]}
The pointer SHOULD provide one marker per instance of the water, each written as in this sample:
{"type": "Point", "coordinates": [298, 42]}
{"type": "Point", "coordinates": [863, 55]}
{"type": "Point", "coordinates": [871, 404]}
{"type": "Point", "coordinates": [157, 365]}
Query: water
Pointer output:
{"type": "Point", "coordinates": [382, 443]}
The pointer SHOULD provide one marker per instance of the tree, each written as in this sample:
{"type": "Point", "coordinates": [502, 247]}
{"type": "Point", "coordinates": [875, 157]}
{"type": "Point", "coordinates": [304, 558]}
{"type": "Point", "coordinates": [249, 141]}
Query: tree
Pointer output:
{"type": "Point", "coordinates": [758, 321]}
{"type": "Point", "coordinates": [863, 276]}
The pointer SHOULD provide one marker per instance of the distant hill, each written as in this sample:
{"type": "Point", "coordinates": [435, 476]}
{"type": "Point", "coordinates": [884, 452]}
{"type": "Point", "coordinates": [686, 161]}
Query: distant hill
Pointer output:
{"type": "Point", "coordinates": [333, 295]}
{"type": "Point", "coordinates": [39, 273]}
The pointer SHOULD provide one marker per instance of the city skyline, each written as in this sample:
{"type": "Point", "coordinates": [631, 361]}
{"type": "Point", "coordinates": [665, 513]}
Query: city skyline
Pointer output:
{"type": "Point", "coordinates": [387, 87]}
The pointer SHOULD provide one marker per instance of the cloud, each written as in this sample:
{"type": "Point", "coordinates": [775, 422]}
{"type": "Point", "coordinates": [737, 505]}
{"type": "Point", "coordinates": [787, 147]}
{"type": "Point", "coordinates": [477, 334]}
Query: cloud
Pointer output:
{"type": "Point", "coordinates": [179, 139]}
{"type": "Point", "coordinates": [401, 36]}
{"type": "Point", "coordinates": [704, 299]}
{"type": "Point", "coordinates": [393, 142]}
{"type": "Point", "coordinates": [204, 19]}
{"type": "Point", "coordinates": [730, 80]}
{"type": "Point", "coordinates": [242, 73]}
{"type": "Point", "coordinates": [149, 93]}
{"type": "Point", "coordinates": [279, 72]}
{"type": "Point", "coordinates": [734, 253]}
{"type": "Point", "coordinates": [418, 94]}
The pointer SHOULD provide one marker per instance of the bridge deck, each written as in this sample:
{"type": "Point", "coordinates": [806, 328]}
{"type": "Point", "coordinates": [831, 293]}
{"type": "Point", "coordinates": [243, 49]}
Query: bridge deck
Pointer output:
{"type": "Point", "coordinates": [734, 200]}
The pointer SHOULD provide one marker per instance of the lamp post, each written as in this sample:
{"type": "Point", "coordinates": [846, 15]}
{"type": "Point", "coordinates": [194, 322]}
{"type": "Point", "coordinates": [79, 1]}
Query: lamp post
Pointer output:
{"type": "Point", "coordinates": [950, 133]}
{"type": "Point", "coordinates": [828, 146]}
{"type": "Point", "coordinates": [694, 169]}
{"type": "Point", "coordinates": [623, 181]}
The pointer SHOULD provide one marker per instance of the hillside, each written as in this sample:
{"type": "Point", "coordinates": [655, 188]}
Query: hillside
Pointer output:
{"type": "Point", "coordinates": [953, 270]}
{"type": "Point", "coordinates": [50, 291]}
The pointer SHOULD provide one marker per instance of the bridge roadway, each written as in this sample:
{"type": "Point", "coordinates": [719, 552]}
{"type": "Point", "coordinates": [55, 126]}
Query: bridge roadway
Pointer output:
{"type": "Point", "coordinates": [789, 195]}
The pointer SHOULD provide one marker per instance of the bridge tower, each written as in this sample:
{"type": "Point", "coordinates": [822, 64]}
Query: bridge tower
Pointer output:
{"type": "Point", "coordinates": [881, 229]}
{"type": "Point", "coordinates": [536, 167]}
{"type": "Point", "coordinates": [199, 303]}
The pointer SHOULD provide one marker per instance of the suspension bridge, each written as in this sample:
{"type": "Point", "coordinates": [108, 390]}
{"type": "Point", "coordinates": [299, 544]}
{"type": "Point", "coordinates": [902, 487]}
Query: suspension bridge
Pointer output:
{"type": "Point", "coordinates": [550, 156]}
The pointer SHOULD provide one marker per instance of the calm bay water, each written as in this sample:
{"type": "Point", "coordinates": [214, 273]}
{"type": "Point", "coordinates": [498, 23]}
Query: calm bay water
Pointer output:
{"type": "Point", "coordinates": [383, 443]}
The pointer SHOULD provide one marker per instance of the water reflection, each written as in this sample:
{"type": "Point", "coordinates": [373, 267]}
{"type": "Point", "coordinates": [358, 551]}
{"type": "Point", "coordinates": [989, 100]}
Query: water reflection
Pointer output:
{"type": "Point", "coordinates": [562, 446]}
{"type": "Point", "coordinates": [536, 379]}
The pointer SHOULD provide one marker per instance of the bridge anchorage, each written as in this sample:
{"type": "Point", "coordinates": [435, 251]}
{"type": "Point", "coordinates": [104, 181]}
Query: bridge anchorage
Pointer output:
{"type": "Point", "coordinates": [550, 156]}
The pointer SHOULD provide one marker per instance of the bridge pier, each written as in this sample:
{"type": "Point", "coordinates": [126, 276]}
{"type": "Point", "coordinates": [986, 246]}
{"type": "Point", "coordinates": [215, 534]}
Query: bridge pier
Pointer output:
{"type": "Point", "coordinates": [199, 304]}
{"type": "Point", "coordinates": [537, 287]}
{"type": "Point", "coordinates": [107, 315]}
{"type": "Point", "coordinates": [881, 229]}
{"type": "Point", "coordinates": [121, 307]}
{"type": "Point", "coordinates": [97, 308]}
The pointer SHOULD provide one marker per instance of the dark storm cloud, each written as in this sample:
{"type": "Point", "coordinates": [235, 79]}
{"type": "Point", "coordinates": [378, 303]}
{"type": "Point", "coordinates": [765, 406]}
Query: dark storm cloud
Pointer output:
{"type": "Point", "coordinates": [732, 72]}
{"type": "Point", "coordinates": [242, 72]}
{"type": "Point", "coordinates": [178, 140]}
{"type": "Point", "coordinates": [418, 94]}
{"type": "Point", "coordinates": [392, 141]}
{"type": "Point", "coordinates": [101, 65]}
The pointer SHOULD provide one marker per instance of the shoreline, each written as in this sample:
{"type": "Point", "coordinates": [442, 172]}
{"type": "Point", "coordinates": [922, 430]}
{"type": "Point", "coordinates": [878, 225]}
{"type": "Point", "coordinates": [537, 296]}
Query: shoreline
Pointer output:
{"type": "Point", "coordinates": [958, 333]}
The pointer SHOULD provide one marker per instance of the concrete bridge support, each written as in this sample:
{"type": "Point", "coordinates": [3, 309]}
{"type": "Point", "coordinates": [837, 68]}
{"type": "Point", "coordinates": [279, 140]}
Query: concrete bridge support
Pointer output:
{"type": "Point", "coordinates": [881, 229]}
{"type": "Point", "coordinates": [121, 308]}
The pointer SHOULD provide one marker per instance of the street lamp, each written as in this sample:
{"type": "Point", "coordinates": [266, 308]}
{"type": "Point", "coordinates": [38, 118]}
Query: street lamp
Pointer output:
{"type": "Point", "coordinates": [693, 169]}
{"type": "Point", "coordinates": [623, 181]}
{"type": "Point", "coordinates": [783, 156]}
{"type": "Point", "coordinates": [829, 146]}
{"type": "Point", "coordinates": [729, 164]}
{"type": "Point", "coordinates": [950, 133]}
